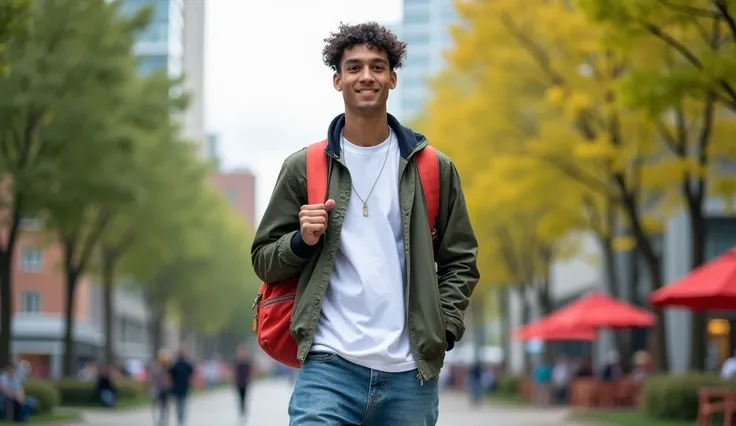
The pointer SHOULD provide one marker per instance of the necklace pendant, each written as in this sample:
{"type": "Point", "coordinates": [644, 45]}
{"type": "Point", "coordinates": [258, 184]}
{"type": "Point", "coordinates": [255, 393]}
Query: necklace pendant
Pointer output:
{"type": "Point", "coordinates": [365, 209]}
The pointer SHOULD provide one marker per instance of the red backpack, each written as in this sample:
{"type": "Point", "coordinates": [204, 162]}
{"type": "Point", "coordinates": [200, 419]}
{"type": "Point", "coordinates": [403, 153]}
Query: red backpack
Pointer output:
{"type": "Point", "coordinates": [275, 301]}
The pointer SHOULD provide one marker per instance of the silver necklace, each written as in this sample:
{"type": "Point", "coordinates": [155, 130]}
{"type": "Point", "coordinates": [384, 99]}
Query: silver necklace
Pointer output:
{"type": "Point", "coordinates": [380, 172]}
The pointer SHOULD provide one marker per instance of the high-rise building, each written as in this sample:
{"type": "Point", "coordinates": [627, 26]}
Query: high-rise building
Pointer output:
{"type": "Point", "coordinates": [174, 41]}
{"type": "Point", "coordinates": [193, 44]}
{"type": "Point", "coordinates": [425, 28]}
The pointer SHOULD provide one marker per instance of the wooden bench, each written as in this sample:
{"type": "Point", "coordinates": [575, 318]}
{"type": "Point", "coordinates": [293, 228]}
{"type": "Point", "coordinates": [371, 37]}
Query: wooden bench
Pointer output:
{"type": "Point", "coordinates": [713, 401]}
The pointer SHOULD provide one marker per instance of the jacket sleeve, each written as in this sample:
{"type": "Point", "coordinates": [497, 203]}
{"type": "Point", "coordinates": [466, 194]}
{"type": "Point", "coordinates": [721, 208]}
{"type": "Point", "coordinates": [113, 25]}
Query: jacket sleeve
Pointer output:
{"type": "Point", "coordinates": [456, 253]}
{"type": "Point", "coordinates": [278, 251]}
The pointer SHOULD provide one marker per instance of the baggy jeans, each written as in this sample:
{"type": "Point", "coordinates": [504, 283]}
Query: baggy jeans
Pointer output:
{"type": "Point", "coordinates": [331, 391]}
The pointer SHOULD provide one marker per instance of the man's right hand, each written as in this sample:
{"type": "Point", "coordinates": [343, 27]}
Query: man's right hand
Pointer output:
{"type": "Point", "coordinates": [313, 221]}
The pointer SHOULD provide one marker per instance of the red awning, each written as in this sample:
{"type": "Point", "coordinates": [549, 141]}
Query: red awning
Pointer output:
{"type": "Point", "coordinates": [545, 330]}
{"type": "Point", "coordinates": [710, 287]}
{"type": "Point", "coordinates": [597, 310]}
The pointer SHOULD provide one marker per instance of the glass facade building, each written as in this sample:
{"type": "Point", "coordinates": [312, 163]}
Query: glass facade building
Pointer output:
{"type": "Point", "coordinates": [160, 45]}
{"type": "Point", "coordinates": [425, 28]}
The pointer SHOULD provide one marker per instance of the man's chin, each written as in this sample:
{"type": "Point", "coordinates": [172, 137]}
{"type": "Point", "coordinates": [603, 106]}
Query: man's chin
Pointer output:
{"type": "Point", "coordinates": [370, 106]}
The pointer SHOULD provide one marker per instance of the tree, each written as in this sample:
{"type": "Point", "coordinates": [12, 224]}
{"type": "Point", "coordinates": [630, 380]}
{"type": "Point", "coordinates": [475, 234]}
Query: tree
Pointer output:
{"type": "Point", "coordinates": [553, 50]}
{"type": "Point", "coordinates": [200, 280]}
{"type": "Point", "coordinates": [523, 211]}
{"type": "Point", "coordinates": [682, 84]}
{"type": "Point", "coordinates": [163, 170]}
{"type": "Point", "coordinates": [13, 20]}
{"type": "Point", "coordinates": [88, 178]}
{"type": "Point", "coordinates": [219, 283]}
{"type": "Point", "coordinates": [63, 86]}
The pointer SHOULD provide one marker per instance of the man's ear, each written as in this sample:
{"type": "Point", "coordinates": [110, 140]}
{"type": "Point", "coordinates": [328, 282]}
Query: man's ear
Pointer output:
{"type": "Point", "coordinates": [337, 81]}
{"type": "Point", "coordinates": [394, 79]}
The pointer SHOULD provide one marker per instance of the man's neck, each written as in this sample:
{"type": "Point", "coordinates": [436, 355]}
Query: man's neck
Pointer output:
{"type": "Point", "coordinates": [366, 129]}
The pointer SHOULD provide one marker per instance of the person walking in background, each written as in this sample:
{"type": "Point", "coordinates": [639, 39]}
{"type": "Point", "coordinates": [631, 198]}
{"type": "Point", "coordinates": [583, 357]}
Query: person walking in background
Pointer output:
{"type": "Point", "coordinates": [160, 385]}
{"type": "Point", "coordinates": [383, 288]}
{"type": "Point", "coordinates": [242, 375]}
{"type": "Point", "coordinates": [181, 374]}
{"type": "Point", "coordinates": [106, 390]}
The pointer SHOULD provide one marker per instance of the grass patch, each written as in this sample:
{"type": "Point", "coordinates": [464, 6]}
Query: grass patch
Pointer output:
{"type": "Point", "coordinates": [51, 418]}
{"type": "Point", "coordinates": [625, 418]}
{"type": "Point", "coordinates": [142, 401]}
{"type": "Point", "coordinates": [505, 399]}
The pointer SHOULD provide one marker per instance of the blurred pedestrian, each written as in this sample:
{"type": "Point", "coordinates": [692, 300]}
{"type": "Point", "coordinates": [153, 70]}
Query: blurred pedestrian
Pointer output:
{"type": "Point", "coordinates": [160, 386]}
{"type": "Point", "coordinates": [106, 390]}
{"type": "Point", "coordinates": [242, 375]}
{"type": "Point", "coordinates": [181, 374]}
{"type": "Point", "coordinates": [475, 386]}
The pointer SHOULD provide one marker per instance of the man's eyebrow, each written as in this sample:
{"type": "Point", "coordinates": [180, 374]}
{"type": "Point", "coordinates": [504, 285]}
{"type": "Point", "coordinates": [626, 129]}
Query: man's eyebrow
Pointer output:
{"type": "Point", "coordinates": [355, 61]}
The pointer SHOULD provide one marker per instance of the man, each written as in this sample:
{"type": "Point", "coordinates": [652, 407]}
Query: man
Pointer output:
{"type": "Point", "coordinates": [11, 388]}
{"type": "Point", "coordinates": [180, 375]}
{"type": "Point", "coordinates": [373, 317]}
{"type": "Point", "coordinates": [242, 371]}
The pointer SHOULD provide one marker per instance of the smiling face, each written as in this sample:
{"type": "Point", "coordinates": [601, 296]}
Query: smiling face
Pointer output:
{"type": "Point", "coordinates": [365, 77]}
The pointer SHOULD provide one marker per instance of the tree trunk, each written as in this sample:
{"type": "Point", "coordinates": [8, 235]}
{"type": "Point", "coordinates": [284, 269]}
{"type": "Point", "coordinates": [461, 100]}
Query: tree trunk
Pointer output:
{"type": "Point", "coordinates": [108, 290]}
{"type": "Point", "coordinates": [155, 330]}
{"type": "Point", "coordinates": [622, 338]}
{"type": "Point", "coordinates": [6, 308]}
{"type": "Point", "coordinates": [502, 301]}
{"type": "Point", "coordinates": [479, 325]}
{"type": "Point", "coordinates": [69, 367]}
{"type": "Point", "coordinates": [525, 318]}
{"type": "Point", "coordinates": [654, 264]}
{"type": "Point", "coordinates": [698, 342]}
{"type": "Point", "coordinates": [660, 330]}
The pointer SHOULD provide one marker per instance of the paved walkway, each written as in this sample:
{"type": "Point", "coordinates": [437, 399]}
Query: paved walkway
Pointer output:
{"type": "Point", "coordinates": [269, 399]}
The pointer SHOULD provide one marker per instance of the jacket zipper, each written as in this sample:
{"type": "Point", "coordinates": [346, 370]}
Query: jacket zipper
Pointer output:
{"type": "Point", "coordinates": [256, 303]}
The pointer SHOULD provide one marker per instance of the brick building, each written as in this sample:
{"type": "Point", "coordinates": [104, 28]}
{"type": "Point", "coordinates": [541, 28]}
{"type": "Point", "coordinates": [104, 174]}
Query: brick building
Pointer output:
{"type": "Point", "coordinates": [240, 188]}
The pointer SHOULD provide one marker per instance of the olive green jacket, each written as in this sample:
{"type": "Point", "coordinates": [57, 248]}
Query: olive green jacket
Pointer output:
{"type": "Point", "coordinates": [436, 298]}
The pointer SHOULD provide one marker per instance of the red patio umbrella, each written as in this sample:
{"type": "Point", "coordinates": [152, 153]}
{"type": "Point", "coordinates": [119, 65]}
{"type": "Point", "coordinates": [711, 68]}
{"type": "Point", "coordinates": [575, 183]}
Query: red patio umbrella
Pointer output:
{"type": "Point", "coordinates": [709, 287]}
{"type": "Point", "coordinates": [597, 310]}
{"type": "Point", "coordinates": [545, 330]}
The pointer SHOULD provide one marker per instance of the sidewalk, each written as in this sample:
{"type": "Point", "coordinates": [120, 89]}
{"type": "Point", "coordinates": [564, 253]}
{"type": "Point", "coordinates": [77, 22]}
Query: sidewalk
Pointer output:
{"type": "Point", "coordinates": [268, 401]}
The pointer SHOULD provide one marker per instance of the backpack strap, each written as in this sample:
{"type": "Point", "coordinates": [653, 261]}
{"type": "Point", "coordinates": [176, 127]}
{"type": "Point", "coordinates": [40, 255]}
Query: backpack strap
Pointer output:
{"type": "Point", "coordinates": [317, 173]}
{"type": "Point", "coordinates": [429, 173]}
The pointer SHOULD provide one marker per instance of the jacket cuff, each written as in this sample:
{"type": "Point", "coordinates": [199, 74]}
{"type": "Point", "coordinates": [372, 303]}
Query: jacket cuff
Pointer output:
{"type": "Point", "coordinates": [456, 328]}
{"type": "Point", "coordinates": [294, 252]}
{"type": "Point", "coordinates": [450, 338]}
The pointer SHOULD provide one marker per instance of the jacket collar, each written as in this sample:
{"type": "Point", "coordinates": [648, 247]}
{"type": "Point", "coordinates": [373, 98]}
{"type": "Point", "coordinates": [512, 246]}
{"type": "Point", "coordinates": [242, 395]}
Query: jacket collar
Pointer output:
{"type": "Point", "coordinates": [408, 140]}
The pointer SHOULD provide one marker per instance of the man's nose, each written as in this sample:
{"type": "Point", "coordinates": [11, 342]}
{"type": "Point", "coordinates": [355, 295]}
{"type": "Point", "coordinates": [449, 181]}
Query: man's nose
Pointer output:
{"type": "Point", "coordinates": [366, 76]}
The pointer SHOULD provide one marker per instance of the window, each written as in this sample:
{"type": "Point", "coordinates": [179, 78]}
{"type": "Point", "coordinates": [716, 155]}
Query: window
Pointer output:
{"type": "Point", "coordinates": [416, 39]}
{"type": "Point", "coordinates": [149, 64]}
{"type": "Point", "coordinates": [418, 16]}
{"type": "Point", "coordinates": [30, 302]}
{"type": "Point", "coordinates": [31, 260]}
{"type": "Point", "coordinates": [418, 60]}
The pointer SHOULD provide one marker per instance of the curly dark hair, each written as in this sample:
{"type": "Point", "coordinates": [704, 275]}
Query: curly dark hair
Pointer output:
{"type": "Point", "coordinates": [370, 33]}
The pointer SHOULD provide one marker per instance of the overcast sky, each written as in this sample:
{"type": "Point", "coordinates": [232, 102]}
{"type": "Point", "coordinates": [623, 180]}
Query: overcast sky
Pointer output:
{"type": "Point", "coordinates": [267, 91]}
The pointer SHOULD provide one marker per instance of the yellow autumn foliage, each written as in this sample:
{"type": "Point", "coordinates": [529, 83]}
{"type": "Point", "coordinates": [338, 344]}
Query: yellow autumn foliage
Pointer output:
{"type": "Point", "coordinates": [543, 110]}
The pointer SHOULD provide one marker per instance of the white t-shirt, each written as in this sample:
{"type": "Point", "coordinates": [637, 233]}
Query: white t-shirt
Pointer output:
{"type": "Point", "coordinates": [363, 315]}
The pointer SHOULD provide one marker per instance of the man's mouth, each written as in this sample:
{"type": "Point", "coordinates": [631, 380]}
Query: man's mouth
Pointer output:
{"type": "Point", "coordinates": [367, 91]}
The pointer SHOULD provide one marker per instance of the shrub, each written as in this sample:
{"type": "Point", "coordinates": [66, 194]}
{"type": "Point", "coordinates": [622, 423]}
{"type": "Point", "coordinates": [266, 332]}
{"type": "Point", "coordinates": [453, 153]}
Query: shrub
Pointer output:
{"type": "Point", "coordinates": [508, 384]}
{"type": "Point", "coordinates": [675, 397]}
{"type": "Point", "coordinates": [78, 393]}
{"type": "Point", "coordinates": [44, 392]}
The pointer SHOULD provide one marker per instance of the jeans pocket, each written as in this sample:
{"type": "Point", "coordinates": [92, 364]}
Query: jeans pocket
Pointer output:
{"type": "Point", "coordinates": [320, 356]}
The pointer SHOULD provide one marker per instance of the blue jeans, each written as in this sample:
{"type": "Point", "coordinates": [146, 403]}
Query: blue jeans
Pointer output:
{"type": "Point", "coordinates": [331, 391]}
{"type": "Point", "coordinates": [181, 408]}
